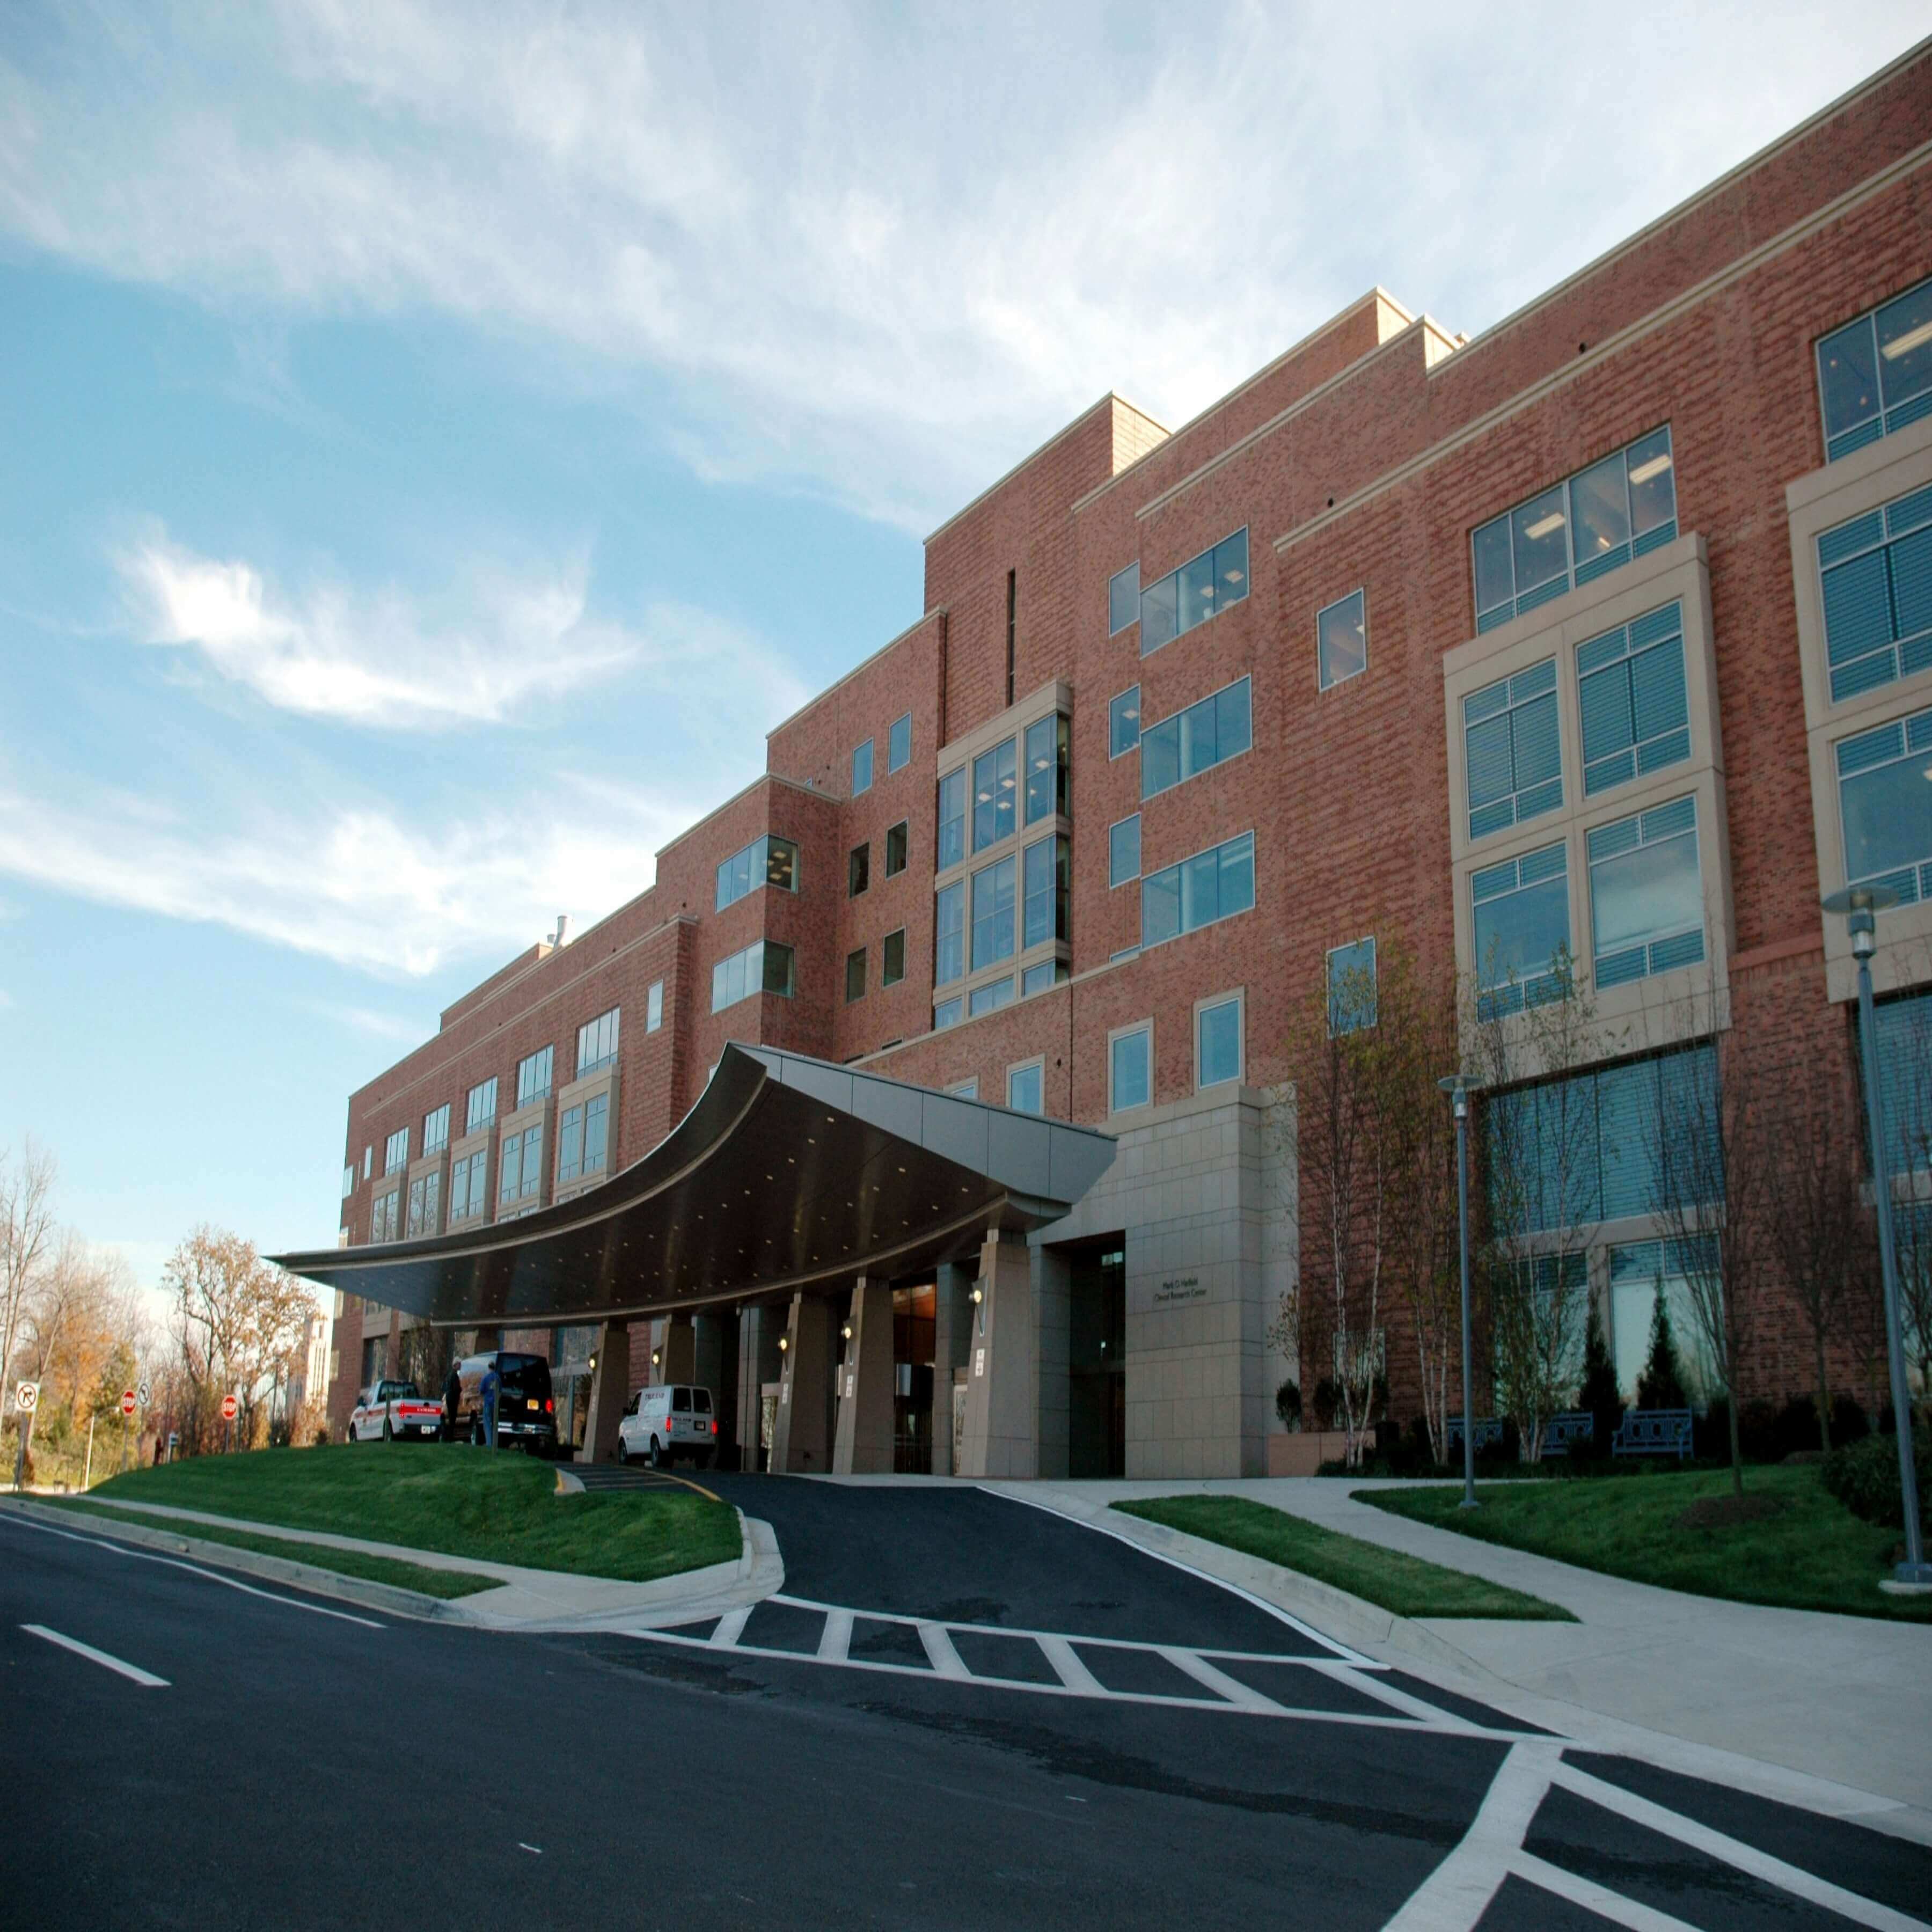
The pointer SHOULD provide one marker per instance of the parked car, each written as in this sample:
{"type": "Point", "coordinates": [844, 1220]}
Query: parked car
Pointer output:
{"type": "Point", "coordinates": [395, 1411]}
{"type": "Point", "coordinates": [526, 1410]}
{"type": "Point", "coordinates": [668, 1421]}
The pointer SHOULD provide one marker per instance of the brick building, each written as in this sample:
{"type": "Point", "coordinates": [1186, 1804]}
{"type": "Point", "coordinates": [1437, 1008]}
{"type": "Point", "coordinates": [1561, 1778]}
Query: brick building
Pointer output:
{"type": "Point", "coordinates": [1608, 631]}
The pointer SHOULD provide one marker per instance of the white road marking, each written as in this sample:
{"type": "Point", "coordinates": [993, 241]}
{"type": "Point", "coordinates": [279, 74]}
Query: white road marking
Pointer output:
{"type": "Point", "coordinates": [946, 1661]}
{"type": "Point", "coordinates": [834, 1641]}
{"type": "Point", "coordinates": [1371, 1684]}
{"type": "Point", "coordinates": [731, 1627]}
{"type": "Point", "coordinates": [1457, 1893]}
{"type": "Point", "coordinates": [1594, 1897]}
{"type": "Point", "coordinates": [131, 1671]}
{"type": "Point", "coordinates": [1244, 1695]}
{"type": "Point", "coordinates": [1068, 1668]}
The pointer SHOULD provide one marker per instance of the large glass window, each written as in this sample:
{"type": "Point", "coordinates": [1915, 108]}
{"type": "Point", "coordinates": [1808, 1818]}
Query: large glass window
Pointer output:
{"type": "Point", "coordinates": [482, 1109]}
{"type": "Point", "coordinates": [1522, 923]}
{"type": "Point", "coordinates": [1875, 374]}
{"type": "Point", "coordinates": [1123, 598]}
{"type": "Point", "coordinates": [1876, 575]}
{"type": "Point", "coordinates": [858, 869]}
{"type": "Point", "coordinates": [436, 1129]}
{"type": "Point", "coordinates": [994, 781]}
{"type": "Point", "coordinates": [1903, 1035]}
{"type": "Point", "coordinates": [985, 999]}
{"type": "Point", "coordinates": [1205, 734]}
{"type": "Point", "coordinates": [396, 1150]}
{"type": "Point", "coordinates": [1646, 893]}
{"type": "Point", "coordinates": [597, 1042]}
{"type": "Point", "coordinates": [1217, 1043]}
{"type": "Point", "coordinates": [1123, 851]}
{"type": "Point", "coordinates": [993, 888]}
{"type": "Point", "coordinates": [596, 1133]}
{"type": "Point", "coordinates": [1192, 594]}
{"type": "Point", "coordinates": [1602, 517]}
{"type": "Point", "coordinates": [763, 967]}
{"type": "Point", "coordinates": [569, 1145]}
{"type": "Point", "coordinates": [892, 958]}
{"type": "Point", "coordinates": [1639, 1272]}
{"type": "Point", "coordinates": [1123, 721]}
{"type": "Point", "coordinates": [1884, 804]}
{"type": "Point", "coordinates": [896, 849]}
{"type": "Point", "coordinates": [1213, 885]}
{"type": "Point", "coordinates": [654, 1006]}
{"type": "Point", "coordinates": [1025, 1089]}
{"type": "Point", "coordinates": [460, 1209]}
{"type": "Point", "coordinates": [1352, 987]}
{"type": "Point", "coordinates": [855, 975]}
{"type": "Point", "coordinates": [1048, 742]}
{"type": "Point", "coordinates": [533, 1073]}
{"type": "Point", "coordinates": [1130, 1069]}
{"type": "Point", "coordinates": [948, 1013]}
{"type": "Point", "coordinates": [1044, 909]}
{"type": "Point", "coordinates": [769, 861]}
{"type": "Point", "coordinates": [952, 840]}
{"type": "Point", "coordinates": [1629, 689]}
{"type": "Point", "coordinates": [948, 950]}
{"type": "Point", "coordinates": [1341, 639]}
{"type": "Point", "coordinates": [413, 1227]}
{"type": "Point", "coordinates": [898, 743]}
{"type": "Point", "coordinates": [1513, 749]}
{"type": "Point", "coordinates": [1036, 979]}
{"type": "Point", "coordinates": [861, 768]}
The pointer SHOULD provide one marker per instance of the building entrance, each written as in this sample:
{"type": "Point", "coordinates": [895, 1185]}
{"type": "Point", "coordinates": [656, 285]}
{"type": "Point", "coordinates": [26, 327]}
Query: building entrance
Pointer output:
{"type": "Point", "coordinates": [912, 1381]}
{"type": "Point", "coordinates": [1097, 1361]}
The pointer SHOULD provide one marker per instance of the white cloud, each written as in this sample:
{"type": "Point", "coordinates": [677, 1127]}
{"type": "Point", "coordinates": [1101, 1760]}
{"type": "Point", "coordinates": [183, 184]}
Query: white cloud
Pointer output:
{"type": "Point", "coordinates": [370, 1024]}
{"type": "Point", "coordinates": [881, 259]}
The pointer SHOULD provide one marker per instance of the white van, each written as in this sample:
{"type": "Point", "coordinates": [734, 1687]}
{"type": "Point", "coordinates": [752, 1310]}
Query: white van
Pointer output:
{"type": "Point", "coordinates": [670, 1420]}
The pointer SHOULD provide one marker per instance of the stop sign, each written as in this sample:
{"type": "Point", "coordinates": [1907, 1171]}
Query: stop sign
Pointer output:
{"type": "Point", "coordinates": [127, 1402]}
{"type": "Point", "coordinates": [229, 1405]}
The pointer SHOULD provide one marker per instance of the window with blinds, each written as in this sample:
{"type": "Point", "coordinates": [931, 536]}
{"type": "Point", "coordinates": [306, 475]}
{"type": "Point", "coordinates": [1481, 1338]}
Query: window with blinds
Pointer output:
{"type": "Point", "coordinates": [1513, 750]}
{"type": "Point", "coordinates": [1635, 716]}
{"type": "Point", "coordinates": [1884, 807]}
{"type": "Point", "coordinates": [1876, 576]}
{"type": "Point", "coordinates": [1646, 894]}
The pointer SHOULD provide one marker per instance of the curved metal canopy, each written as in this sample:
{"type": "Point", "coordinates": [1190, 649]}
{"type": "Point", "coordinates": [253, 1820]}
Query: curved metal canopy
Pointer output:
{"type": "Point", "coordinates": [788, 1174]}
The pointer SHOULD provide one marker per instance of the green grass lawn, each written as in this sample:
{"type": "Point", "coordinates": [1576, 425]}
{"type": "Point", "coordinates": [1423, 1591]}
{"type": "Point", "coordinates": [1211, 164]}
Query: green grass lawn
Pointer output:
{"type": "Point", "coordinates": [1406, 1585]}
{"type": "Point", "coordinates": [451, 1498]}
{"type": "Point", "coordinates": [1812, 1554]}
{"type": "Point", "coordinates": [343, 1562]}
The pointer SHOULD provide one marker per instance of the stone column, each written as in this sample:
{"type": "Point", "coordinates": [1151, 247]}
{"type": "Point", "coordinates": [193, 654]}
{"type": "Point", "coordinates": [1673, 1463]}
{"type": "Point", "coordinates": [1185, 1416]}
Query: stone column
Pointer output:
{"type": "Point", "coordinates": [1002, 1365]}
{"type": "Point", "coordinates": [864, 1447]}
{"type": "Point", "coordinates": [680, 1350]}
{"type": "Point", "coordinates": [609, 1390]}
{"type": "Point", "coordinates": [952, 1325]}
{"type": "Point", "coordinates": [759, 1362]}
{"type": "Point", "coordinates": [801, 1442]}
{"type": "Point", "coordinates": [1053, 1303]}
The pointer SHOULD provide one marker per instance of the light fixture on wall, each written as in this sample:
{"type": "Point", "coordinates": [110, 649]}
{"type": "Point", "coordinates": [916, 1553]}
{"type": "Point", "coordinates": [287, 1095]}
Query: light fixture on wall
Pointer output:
{"type": "Point", "coordinates": [657, 1358]}
{"type": "Point", "coordinates": [845, 1329]}
{"type": "Point", "coordinates": [977, 1294]}
{"type": "Point", "coordinates": [784, 1342]}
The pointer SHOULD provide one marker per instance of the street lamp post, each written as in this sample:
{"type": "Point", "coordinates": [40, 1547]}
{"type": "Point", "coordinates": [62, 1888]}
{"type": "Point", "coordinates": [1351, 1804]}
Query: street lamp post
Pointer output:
{"type": "Point", "coordinates": [1458, 1087]}
{"type": "Point", "coordinates": [1860, 905]}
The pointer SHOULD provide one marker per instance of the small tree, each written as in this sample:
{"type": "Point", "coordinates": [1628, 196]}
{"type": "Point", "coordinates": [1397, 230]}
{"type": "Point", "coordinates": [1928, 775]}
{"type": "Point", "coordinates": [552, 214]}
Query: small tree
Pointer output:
{"type": "Point", "coordinates": [1661, 1383]}
{"type": "Point", "coordinates": [1599, 1394]}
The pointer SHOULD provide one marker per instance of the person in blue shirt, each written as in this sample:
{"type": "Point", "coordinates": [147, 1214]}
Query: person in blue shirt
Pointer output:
{"type": "Point", "coordinates": [492, 1382]}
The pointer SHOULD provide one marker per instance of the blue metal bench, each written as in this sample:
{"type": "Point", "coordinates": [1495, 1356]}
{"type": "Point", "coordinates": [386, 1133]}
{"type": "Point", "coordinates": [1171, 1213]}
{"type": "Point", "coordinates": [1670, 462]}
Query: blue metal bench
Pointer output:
{"type": "Point", "coordinates": [1654, 1432]}
{"type": "Point", "coordinates": [1489, 1432]}
{"type": "Point", "coordinates": [1573, 1426]}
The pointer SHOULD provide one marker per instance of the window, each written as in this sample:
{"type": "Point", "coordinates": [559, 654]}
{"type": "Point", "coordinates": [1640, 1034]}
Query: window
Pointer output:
{"type": "Point", "coordinates": [948, 944]}
{"type": "Point", "coordinates": [1123, 851]}
{"type": "Point", "coordinates": [1602, 517]}
{"type": "Point", "coordinates": [1902, 1031]}
{"type": "Point", "coordinates": [482, 1107]}
{"type": "Point", "coordinates": [583, 1139]}
{"type": "Point", "coordinates": [396, 1150]}
{"type": "Point", "coordinates": [855, 976]}
{"type": "Point", "coordinates": [1043, 911]}
{"type": "Point", "coordinates": [861, 768]}
{"type": "Point", "coordinates": [1646, 893]}
{"type": "Point", "coordinates": [1522, 923]}
{"type": "Point", "coordinates": [858, 869]}
{"type": "Point", "coordinates": [569, 1145]}
{"type": "Point", "coordinates": [966, 1090]}
{"type": "Point", "coordinates": [985, 999]}
{"type": "Point", "coordinates": [1875, 374]}
{"type": "Point", "coordinates": [1123, 598]}
{"type": "Point", "coordinates": [1513, 750]}
{"type": "Point", "coordinates": [952, 845]}
{"type": "Point", "coordinates": [1130, 1069]}
{"type": "Point", "coordinates": [993, 913]}
{"type": "Point", "coordinates": [654, 1006]}
{"type": "Point", "coordinates": [596, 1133]}
{"type": "Point", "coordinates": [1876, 573]}
{"type": "Point", "coordinates": [597, 1042]}
{"type": "Point", "coordinates": [1038, 978]}
{"type": "Point", "coordinates": [1217, 1042]}
{"type": "Point", "coordinates": [1025, 1088]}
{"type": "Point", "coordinates": [1048, 741]}
{"type": "Point", "coordinates": [1629, 689]}
{"type": "Point", "coordinates": [383, 1217]}
{"type": "Point", "coordinates": [413, 1225]}
{"type": "Point", "coordinates": [1213, 580]}
{"type": "Point", "coordinates": [1341, 639]}
{"type": "Point", "coordinates": [1123, 722]}
{"type": "Point", "coordinates": [1639, 1272]}
{"type": "Point", "coordinates": [436, 1129]}
{"type": "Point", "coordinates": [533, 1077]}
{"type": "Point", "coordinates": [1213, 885]}
{"type": "Point", "coordinates": [375, 1356]}
{"type": "Point", "coordinates": [348, 1180]}
{"type": "Point", "coordinates": [899, 744]}
{"type": "Point", "coordinates": [993, 785]}
{"type": "Point", "coordinates": [948, 1013]}
{"type": "Point", "coordinates": [1204, 735]}
{"type": "Point", "coordinates": [769, 861]}
{"type": "Point", "coordinates": [1886, 806]}
{"type": "Point", "coordinates": [1352, 987]}
{"type": "Point", "coordinates": [521, 1168]}
{"type": "Point", "coordinates": [892, 958]}
{"type": "Point", "coordinates": [896, 849]}
{"type": "Point", "coordinates": [762, 967]}
{"type": "Point", "coordinates": [459, 1190]}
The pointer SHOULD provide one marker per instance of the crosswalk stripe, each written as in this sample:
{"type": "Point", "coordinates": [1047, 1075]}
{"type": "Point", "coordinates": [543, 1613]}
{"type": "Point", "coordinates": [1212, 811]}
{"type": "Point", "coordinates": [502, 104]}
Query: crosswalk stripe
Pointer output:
{"type": "Point", "coordinates": [945, 1660]}
{"type": "Point", "coordinates": [1069, 1669]}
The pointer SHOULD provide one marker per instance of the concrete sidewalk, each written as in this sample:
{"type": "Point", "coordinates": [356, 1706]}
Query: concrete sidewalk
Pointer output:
{"type": "Point", "coordinates": [525, 1599]}
{"type": "Point", "coordinates": [1848, 1699]}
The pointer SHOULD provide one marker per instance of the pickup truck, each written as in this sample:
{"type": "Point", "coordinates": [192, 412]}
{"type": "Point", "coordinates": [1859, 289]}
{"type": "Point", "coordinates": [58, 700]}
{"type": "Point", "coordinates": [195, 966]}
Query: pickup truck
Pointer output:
{"type": "Point", "coordinates": [394, 1411]}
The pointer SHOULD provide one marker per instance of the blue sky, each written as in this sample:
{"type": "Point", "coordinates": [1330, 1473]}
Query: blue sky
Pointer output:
{"type": "Point", "coordinates": [442, 440]}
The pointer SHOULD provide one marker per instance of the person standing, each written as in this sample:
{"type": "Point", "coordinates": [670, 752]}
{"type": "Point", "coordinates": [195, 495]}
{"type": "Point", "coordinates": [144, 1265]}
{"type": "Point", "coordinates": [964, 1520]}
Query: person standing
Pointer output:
{"type": "Point", "coordinates": [492, 1382]}
{"type": "Point", "coordinates": [452, 1401]}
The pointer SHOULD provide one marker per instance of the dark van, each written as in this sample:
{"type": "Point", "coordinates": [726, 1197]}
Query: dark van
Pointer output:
{"type": "Point", "coordinates": [526, 1411]}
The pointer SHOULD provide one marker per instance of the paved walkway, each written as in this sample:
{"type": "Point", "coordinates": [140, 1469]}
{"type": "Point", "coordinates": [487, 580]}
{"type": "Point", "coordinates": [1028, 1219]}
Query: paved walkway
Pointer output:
{"type": "Point", "coordinates": [1846, 1699]}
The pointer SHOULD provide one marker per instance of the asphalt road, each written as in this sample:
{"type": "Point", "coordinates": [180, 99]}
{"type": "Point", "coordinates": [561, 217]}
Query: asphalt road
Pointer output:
{"type": "Point", "coordinates": [307, 1764]}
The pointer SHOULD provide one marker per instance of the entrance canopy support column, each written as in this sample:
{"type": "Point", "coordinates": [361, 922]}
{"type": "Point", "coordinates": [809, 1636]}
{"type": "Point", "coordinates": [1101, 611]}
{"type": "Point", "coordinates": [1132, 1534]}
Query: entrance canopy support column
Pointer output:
{"type": "Point", "coordinates": [1002, 1365]}
{"type": "Point", "coordinates": [680, 1350]}
{"type": "Point", "coordinates": [865, 1444]}
{"type": "Point", "coordinates": [800, 1444]}
{"type": "Point", "coordinates": [952, 1331]}
{"type": "Point", "coordinates": [610, 1390]}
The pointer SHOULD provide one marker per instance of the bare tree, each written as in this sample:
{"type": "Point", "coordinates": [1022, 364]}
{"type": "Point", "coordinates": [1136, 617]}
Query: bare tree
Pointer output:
{"type": "Point", "coordinates": [1905, 1053]}
{"type": "Point", "coordinates": [27, 1235]}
